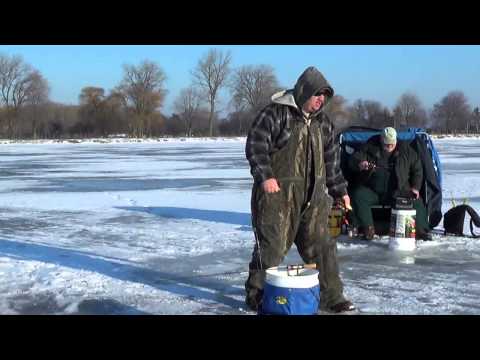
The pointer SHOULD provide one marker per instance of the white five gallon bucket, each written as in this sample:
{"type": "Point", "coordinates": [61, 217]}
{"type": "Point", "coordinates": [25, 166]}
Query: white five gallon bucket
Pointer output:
{"type": "Point", "coordinates": [402, 230]}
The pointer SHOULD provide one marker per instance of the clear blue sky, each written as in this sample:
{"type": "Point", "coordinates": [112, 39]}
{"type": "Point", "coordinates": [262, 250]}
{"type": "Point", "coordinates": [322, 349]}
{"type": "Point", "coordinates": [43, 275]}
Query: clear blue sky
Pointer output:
{"type": "Point", "coordinates": [378, 72]}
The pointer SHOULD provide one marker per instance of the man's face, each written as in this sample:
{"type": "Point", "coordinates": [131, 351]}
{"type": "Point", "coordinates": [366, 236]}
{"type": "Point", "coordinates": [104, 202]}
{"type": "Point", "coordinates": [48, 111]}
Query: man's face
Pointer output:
{"type": "Point", "coordinates": [314, 103]}
{"type": "Point", "coordinates": [389, 147]}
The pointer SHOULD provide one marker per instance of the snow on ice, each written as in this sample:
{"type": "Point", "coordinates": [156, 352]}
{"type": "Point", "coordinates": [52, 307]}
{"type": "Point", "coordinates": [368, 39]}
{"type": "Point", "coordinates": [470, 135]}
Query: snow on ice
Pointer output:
{"type": "Point", "coordinates": [162, 226]}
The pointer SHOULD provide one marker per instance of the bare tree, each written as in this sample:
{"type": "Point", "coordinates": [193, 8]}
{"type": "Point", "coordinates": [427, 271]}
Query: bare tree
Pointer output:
{"type": "Point", "coordinates": [174, 125]}
{"type": "Point", "coordinates": [369, 113]}
{"type": "Point", "coordinates": [37, 96]}
{"type": "Point", "coordinates": [476, 119]}
{"type": "Point", "coordinates": [336, 110]}
{"type": "Point", "coordinates": [91, 95]}
{"type": "Point", "coordinates": [187, 105]}
{"type": "Point", "coordinates": [375, 114]}
{"type": "Point", "coordinates": [452, 112]}
{"type": "Point", "coordinates": [211, 74]}
{"type": "Point", "coordinates": [409, 112]}
{"type": "Point", "coordinates": [143, 89]}
{"type": "Point", "coordinates": [236, 124]}
{"type": "Point", "coordinates": [115, 113]}
{"type": "Point", "coordinates": [60, 120]}
{"type": "Point", "coordinates": [19, 84]}
{"type": "Point", "coordinates": [253, 86]}
{"type": "Point", "coordinates": [357, 113]}
{"type": "Point", "coordinates": [92, 111]}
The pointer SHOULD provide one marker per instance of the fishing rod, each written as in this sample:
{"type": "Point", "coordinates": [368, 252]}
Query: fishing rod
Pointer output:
{"type": "Point", "coordinates": [291, 268]}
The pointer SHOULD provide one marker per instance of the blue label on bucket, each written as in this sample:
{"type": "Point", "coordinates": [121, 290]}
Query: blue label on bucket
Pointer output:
{"type": "Point", "coordinates": [290, 301]}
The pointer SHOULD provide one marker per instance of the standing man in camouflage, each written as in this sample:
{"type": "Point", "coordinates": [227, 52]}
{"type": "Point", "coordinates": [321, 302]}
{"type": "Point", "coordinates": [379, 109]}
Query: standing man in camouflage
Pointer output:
{"type": "Point", "coordinates": [295, 162]}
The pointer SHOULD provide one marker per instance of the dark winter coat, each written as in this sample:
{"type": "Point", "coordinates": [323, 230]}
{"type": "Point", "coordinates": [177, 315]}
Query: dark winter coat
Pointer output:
{"type": "Point", "coordinates": [406, 164]}
{"type": "Point", "coordinates": [271, 130]}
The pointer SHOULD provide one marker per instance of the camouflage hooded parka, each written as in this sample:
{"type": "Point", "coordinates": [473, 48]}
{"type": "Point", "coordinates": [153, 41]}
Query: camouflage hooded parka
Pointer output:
{"type": "Point", "coordinates": [299, 151]}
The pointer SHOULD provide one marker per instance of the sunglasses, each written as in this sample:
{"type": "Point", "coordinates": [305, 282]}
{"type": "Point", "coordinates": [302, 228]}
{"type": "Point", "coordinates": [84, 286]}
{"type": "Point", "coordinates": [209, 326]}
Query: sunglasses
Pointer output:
{"type": "Point", "coordinates": [321, 92]}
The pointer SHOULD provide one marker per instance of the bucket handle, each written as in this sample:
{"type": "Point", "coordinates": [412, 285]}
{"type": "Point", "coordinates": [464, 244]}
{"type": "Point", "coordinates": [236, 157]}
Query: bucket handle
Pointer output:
{"type": "Point", "coordinates": [297, 267]}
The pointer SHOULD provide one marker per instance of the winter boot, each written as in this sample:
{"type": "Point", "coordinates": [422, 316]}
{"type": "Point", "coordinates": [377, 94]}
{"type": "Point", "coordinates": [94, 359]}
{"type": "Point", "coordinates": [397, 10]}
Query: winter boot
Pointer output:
{"type": "Point", "coordinates": [342, 307]}
{"type": "Point", "coordinates": [254, 299]}
{"type": "Point", "coordinates": [424, 235]}
{"type": "Point", "coordinates": [369, 232]}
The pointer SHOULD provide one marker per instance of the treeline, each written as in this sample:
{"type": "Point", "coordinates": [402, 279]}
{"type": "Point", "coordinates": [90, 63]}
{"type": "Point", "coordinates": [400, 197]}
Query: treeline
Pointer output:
{"type": "Point", "coordinates": [134, 107]}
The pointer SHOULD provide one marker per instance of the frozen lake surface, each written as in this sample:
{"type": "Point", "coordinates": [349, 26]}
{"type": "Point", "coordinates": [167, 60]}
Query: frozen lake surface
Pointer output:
{"type": "Point", "coordinates": [163, 227]}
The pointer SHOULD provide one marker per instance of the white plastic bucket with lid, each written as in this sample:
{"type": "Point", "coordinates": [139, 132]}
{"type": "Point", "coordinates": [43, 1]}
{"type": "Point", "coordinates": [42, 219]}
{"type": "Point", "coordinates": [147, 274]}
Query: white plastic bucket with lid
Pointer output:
{"type": "Point", "coordinates": [291, 291]}
{"type": "Point", "coordinates": [402, 230]}
{"type": "Point", "coordinates": [282, 276]}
